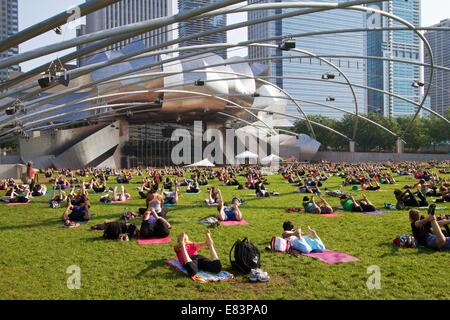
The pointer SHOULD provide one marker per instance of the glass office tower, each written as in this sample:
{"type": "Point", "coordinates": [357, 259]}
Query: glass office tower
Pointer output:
{"type": "Point", "coordinates": [9, 25]}
{"type": "Point", "coordinates": [302, 76]}
{"type": "Point", "coordinates": [440, 91]}
{"type": "Point", "coordinates": [193, 27]}
{"type": "Point", "coordinates": [394, 76]}
{"type": "Point", "coordinates": [128, 12]}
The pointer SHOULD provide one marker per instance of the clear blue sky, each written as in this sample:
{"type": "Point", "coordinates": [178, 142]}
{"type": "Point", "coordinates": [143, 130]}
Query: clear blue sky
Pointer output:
{"type": "Point", "coordinates": [32, 11]}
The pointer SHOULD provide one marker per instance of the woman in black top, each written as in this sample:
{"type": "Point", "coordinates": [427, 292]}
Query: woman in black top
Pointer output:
{"type": "Point", "coordinates": [427, 231]}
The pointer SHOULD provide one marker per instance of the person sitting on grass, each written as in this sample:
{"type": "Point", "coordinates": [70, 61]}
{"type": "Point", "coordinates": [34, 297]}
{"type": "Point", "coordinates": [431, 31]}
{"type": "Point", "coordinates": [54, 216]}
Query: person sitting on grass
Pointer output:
{"type": "Point", "coordinates": [427, 231]}
{"type": "Point", "coordinates": [349, 203]}
{"type": "Point", "coordinates": [231, 213]}
{"type": "Point", "coordinates": [304, 243]}
{"type": "Point", "coordinates": [154, 226]}
{"type": "Point", "coordinates": [145, 188]}
{"type": "Point", "coordinates": [408, 199]}
{"type": "Point", "coordinates": [154, 200]}
{"type": "Point", "coordinates": [75, 214]}
{"type": "Point", "coordinates": [171, 197]}
{"type": "Point", "coordinates": [318, 207]}
{"type": "Point", "coordinates": [188, 255]}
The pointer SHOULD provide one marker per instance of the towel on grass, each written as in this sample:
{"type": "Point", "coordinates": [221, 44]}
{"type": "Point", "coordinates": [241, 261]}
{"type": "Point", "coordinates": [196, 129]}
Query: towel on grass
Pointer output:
{"type": "Point", "coordinates": [154, 241]}
{"type": "Point", "coordinates": [201, 276]}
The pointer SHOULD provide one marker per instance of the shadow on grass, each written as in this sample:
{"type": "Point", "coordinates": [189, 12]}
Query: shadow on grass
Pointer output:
{"type": "Point", "coordinates": [170, 273]}
{"type": "Point", "coordinates": [47, 223]}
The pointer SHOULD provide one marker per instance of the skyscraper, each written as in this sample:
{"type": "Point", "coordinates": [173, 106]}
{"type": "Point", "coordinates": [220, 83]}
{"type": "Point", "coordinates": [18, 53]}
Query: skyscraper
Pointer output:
{"type": "Point", "coordinates": [394, 76]}
{"type": "Point", "coordinates": [192, 27]}
{"type": "Point", "coordinates": [440, 90]}
{"type": "Point", "coordinates": [309, 86]}
{"type": "Point", "coordinates": [8, 26]}
{"type": "Point", "coordinates": [128, 12]}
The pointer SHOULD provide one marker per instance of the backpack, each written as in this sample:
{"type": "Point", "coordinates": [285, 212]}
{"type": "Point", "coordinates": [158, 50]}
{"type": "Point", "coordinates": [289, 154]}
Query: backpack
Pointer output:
{"type": "Point", "coordinates": [405, 241]}
{"type": "Point", "coordinates": [279, 244]}
{"type": "Point", "coordinates": [246, 256]}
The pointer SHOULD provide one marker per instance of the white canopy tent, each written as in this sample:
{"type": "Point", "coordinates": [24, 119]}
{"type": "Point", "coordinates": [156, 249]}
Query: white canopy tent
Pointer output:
{"type": "Point", "coordinates": [247, 155]}
{"type": "Point", "coordinates": [271, 159]}
{"type": "Point", "coordinates": [203, 163]}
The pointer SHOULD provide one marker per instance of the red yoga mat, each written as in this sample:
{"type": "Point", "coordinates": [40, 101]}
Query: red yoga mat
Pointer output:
{"type": "Point", "coordinates": [331, 215]}
{"type": "Point", "coordinates": [332, 257]}
{"type": "Point", "coordinates": [233, 223]}
{"type": "Point", "coordinates": [154, 241]}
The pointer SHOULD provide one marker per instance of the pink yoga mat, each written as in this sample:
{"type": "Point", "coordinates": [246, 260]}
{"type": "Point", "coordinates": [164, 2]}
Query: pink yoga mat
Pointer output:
{"type": "Point", "coordinates": [122, 201]}
{"type": "Point", "coordinates": [17, 203]}
{"type": "Point", "coordinates": [154, 241]}
{"type": "Point", "coordinates": [331, 215]}
{"type": "Point", "coordinates": [233, 223]}
{"type": "Point", "coordinates": [332, 257]}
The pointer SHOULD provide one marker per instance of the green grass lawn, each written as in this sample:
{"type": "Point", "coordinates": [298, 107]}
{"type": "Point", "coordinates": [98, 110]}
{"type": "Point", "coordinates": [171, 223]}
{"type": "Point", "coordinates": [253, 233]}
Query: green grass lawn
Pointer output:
{"type": "Point", "coordinates": [36, 251]}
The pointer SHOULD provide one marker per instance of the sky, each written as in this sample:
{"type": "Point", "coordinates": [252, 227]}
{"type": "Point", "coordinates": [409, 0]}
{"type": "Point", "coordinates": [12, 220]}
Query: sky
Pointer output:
{"type": "Point", "coordinates": [433, 11]}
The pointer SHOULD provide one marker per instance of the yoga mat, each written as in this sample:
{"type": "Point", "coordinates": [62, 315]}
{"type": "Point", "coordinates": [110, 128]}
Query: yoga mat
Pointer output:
{"type": "Point", "coordinates": [377, 212]}
{"type": "Point", "coordinates": [332, 257]}
{"type": "Point", "coordinates": [154, 241]}
{"type": "Point", "coordinates": [331, 215]}
{"type": "Point", "coordinates": [169, 205]}
{"type": "Point", "coordinates": [201, 276]}
{"type": "Point", "coordinates": [200, 191]}
{"type": "Point", "coordinates": [233, 223]}
{"type": "Point", "coordinates": [121, 201]}
{"type": "Point", "coordinates": [17, 203]}
{"type": "Point", "coordinates": [437, 208]}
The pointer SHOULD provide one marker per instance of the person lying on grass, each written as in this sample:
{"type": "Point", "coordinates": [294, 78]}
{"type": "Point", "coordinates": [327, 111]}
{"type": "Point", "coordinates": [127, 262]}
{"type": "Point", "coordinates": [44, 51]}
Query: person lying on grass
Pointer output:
{"type": "Point", "coordinates": [78, 198]}
{"type": "Point", "coordinates": [76, 213]}
{"type": "Point", "coordinates": [319, 207]}
{"type": "Point", "coordinates": [39, 190]}
{"type": "Point", "coordinates": [445, 195]}
{"type": "Point", "coordinates": [154, 226]}
{"type": "Point", "coordinates": [59, 198]}
{"type": "Point", "coordinates": [171, 196]}
{"type": "Point", "coordinates": [371, 185]}
{"type": "Point", "coordinates": [427, 231]}
{"type": "Point", "coordinates": [99, 186]}
{"type": "Point", "coordinates": [15, 195]}
{"type": "Point", "coordinates": [192, 261]}
{"type": "Point", "coordinates": [120, 197]}
{"type": "Point", "coordinates": [193, 187]}
{"type": "Point", "coordinates": [304, 243]}
{"type": "Point", "coordinates": [349, 203]}
{"type": "Point", "coordinates": [260, 190]}
{"type": "Point", "coordinates": [408, 198]}
{"type": "Point", "coordinates": [228, 213]}
{"type": "Point", "coordinates": [214, 195]}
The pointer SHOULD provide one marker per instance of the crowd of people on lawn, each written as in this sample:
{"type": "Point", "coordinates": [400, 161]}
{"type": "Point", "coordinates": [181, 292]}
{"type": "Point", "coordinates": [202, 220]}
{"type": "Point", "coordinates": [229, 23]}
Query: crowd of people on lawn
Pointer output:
{"type": "Point", "coordinates": [160, 189]}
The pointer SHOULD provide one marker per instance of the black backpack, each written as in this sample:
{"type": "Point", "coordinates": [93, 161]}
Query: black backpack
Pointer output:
{"type": "Point", "coordinates": [246, 256]}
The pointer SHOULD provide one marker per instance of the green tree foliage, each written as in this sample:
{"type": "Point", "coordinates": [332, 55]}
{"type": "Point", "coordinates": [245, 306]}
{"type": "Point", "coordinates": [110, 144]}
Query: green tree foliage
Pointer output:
{"type": "Point", "coordinates": [423, 135]}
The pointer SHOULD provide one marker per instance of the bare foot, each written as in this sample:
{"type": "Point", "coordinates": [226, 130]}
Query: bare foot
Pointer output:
{"type": "Point", "coordinates": [312, 233]}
